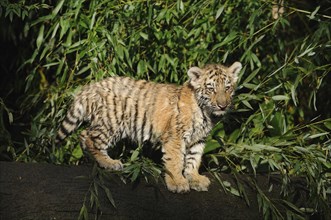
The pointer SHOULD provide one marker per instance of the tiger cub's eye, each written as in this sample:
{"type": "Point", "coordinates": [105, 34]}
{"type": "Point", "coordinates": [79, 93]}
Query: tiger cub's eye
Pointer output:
{"type": "Point", "coordinates": [210, 87]}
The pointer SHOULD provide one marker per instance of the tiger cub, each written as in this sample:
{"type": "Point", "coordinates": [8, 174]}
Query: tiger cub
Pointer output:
{"type": "Point", "coordinates": [179, 117]}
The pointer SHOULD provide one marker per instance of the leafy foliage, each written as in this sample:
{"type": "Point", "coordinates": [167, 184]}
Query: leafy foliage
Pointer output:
{"type": "Point", "coordinates": [280, 123]}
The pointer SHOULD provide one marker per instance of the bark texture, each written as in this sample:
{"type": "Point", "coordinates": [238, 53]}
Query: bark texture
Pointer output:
{"type": "Point", "coordinates": [46, 191]}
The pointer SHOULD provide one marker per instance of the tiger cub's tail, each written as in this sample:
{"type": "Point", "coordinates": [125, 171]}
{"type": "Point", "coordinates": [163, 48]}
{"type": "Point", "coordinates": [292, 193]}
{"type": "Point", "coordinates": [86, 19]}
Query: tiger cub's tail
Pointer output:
{"type": "Point", "coordinates": [71, 121]}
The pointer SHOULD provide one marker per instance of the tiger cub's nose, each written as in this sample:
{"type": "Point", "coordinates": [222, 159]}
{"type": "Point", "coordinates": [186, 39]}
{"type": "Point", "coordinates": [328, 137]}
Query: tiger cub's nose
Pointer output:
{"type": "Point", "coordinates": [222, 107]}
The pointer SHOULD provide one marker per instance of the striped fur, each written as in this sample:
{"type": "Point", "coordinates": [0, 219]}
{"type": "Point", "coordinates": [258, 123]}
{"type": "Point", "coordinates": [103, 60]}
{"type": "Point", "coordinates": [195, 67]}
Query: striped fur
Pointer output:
{"type": "Point", "coordinates": [180, 117]}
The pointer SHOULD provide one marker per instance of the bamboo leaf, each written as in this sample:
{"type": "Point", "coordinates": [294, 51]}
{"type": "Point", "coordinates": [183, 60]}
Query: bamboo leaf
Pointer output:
{"type": "Point", "coordinates": [109, 196]}
{"type": "Point", "coordinates": [135, 154]}
{"type": "Point", "coordinates": [219, 12]}
{"type": "Point", "coordinates": [57, 8]}
{"type": "Point", "coordinates": [280, 97]}
{"type": "Point", "coordinates": [83, 214]}
{"type": "Point", "coordinates": [318, 135]}
{"type": "Point", "coordinates": [40, 37]}
{"type": "Point", "coordinates": [93, 20]}
{"type": "Point", "coordinates": [143, 35]}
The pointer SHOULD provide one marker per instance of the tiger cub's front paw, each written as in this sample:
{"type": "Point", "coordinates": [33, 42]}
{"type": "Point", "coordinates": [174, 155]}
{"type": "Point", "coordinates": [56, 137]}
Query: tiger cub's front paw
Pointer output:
{"type": "Point", "coordinates": [199, 182]}
{"type": "Point", "coordinates": [110, 164]}
{"type": "Point", "coordinates": [177, 185]}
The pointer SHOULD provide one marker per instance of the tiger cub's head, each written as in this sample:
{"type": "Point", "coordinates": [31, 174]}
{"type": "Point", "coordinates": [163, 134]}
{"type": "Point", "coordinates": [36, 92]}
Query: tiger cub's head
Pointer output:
{"type": "Point", "coordinates": [214, 86]}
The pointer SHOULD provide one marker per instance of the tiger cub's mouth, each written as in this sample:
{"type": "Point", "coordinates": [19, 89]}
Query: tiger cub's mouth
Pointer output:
{"type": "Point", "coordinates": [219, 110]}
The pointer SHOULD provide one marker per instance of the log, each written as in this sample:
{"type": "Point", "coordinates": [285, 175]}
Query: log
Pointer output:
{"type": "Point", "coordinates": [47, 191]}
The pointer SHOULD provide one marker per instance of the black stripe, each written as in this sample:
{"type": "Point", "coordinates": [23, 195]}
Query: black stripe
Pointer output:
{"type": "Point", "coordinates": [80, 111]}
{"type": "Point", "coordinates": [212, 74]}
{"type": "Point", "coordinates": [135, 122]}
{"type": "Point", "coordinates": [87, 102]}
{"type": "Point", "coordinates": [193, 127]}
{"type": "Point", "coordinates": [137, 110]}
{"type": "Point", "coordinates": [189, 163]}
{"type": "Point", "coordinates": [126, 101]}
{"type": "Point", "coordinates": [69, 121]}
{"type": "Point", "coordinates": [132, 120]}
{"type": "Point", "coordinates": [201, 141]}
{"type": "Point", "coordinates": [151, 109]}
{"type": "Point", "coordinates": [193, 152]}
{"type": "Point", "coordinates": [119, 118]}
{"type": "Point", "coordinates": [191, 158]}
{"type": "Point", "coordinates": [132, 111]}
{"type": "Point", "coordinates": [115, 110]}
{"type": "Point", "coordinates": [179, 124]}
{"type": "Point", "coordinates": [114, 103]}
{"type": "Point", "coordinates": [124, 108]}
{"type": "Point", "coordinates": [204, 117]}
{"type": "Point", "coordinates": [143, 124]}
{"type": "Point", "coordinates": [64, 130]}
{"type": "Point", "coordinates": [94, 139]}
{"type": "Point", "coordinates": [150, 131]}
{"type": "Point", "coordinates": [102, 131]}
{"type": "Point", "coordinates": [106, 121]}
{"type": "Point", "coordinates": [109, 116]}
{"type": "Point", "coordinates": [98, 137]}
{"type": "Point", "coordinates": [71, 113]}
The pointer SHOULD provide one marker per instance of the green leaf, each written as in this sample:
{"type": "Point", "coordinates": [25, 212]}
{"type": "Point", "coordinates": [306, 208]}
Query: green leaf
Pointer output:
{"type": "Point", "coordinates": [109, 196]}
{"type": "Point", "coordinates": [57, 8]}
{"type": "Point", "coordinates": [211, 145]}
{"type": "Point", "coordinates": [294, 207]}
{"type": "Point", "coordinates": [280, 97]}
{"type": "Point", "coordinates": [180, 5]}
{"type": "Point", "coordinates": [246, 103]}
{"type": "Point", "coordinates": [250, 86]}
{"type": "Point", "coordinates": [55, 30]}
{"type": "Point", "coordinates": [135, 154]}
{"type": "Point", "coordinates": [40, 37]}
{"type": "Point", "coordinates": [230, 37]}
{"type": "Point", "coordinates": [83, 70]}
{"type": "Point", "coordinates": [261, 147]}
{"type": "Point", "coordinates": [83, 214]}
{"type": "Point", "coordinates": [10, 117]}
{"type": "Point", "coordinates": [214, 158]}
{"type": "Point", "coordinates": [77, 153]}
{"type": "Point", "coordinates": [65, 25]}
{"type": "Point", "coordinates": [93, 20]}
{"type": "Point", "coordinates": [219, 12]}
{"type": "Point", "coordinates": [301, 149]}
{"type": "Point", "coordinates": [328, 124]}
{"type": "Point", "coordinates": [318, 135]}
{"type": "Point", "coordinates": [274, 88]}
{"type": "Point", "coordinates": [293, 94]}
{"type": "Point", "coordinates": [135, 173]}
{"type": "Point", "coordinates": [143, 35]}
{"type": "Point", "coordinates": [252, 75]}
{"type": "Point", "coordinates": [312, 15]}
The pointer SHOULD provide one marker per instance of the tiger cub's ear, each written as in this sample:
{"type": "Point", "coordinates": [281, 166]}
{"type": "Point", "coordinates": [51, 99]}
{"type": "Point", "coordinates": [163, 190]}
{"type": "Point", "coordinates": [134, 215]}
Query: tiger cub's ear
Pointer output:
{"type": "Point", "coordinates": [195, 73]}
{"type": "Point", "coordinates": [234, 69]}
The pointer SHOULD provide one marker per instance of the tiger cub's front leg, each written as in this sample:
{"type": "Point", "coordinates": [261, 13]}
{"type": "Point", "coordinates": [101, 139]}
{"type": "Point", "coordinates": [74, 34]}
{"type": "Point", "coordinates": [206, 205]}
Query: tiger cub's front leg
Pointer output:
{"type": "Point", "coordinates": [173, 157]}
{"type": "Point", "coordinates": [192, 163]}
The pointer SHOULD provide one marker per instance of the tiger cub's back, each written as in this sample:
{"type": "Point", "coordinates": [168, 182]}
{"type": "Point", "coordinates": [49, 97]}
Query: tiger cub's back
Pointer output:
{"type": "Point", "coordinates": [126, 108]}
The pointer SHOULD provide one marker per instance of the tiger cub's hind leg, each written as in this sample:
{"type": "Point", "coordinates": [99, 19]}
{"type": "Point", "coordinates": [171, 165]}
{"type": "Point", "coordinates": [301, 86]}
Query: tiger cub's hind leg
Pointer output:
{"type": "Point", "coordinates": [95, 142]}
